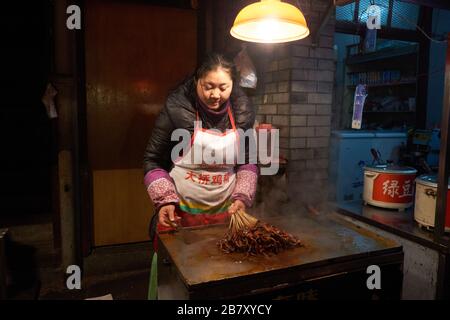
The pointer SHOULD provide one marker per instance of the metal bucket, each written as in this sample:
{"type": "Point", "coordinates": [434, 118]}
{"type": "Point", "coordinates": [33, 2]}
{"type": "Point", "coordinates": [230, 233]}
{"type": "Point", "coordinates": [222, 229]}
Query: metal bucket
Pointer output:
{"type": "Point", "coordinates": [425, 206]}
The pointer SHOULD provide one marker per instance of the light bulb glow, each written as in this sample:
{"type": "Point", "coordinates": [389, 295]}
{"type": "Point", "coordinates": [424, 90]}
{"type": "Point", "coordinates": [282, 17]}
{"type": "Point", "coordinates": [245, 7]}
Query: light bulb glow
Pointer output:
{"type": "Point", "coordinates": [270, 22]}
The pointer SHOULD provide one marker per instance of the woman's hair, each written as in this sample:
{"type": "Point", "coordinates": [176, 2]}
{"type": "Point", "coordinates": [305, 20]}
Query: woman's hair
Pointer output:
{"type": "Point", "coordinates": [214, 61]}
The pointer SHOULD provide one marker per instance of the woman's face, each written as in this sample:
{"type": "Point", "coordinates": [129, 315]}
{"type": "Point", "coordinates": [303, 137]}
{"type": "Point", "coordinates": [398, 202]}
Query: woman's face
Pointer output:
{"type": "Point", "coordinates": [215, 88]}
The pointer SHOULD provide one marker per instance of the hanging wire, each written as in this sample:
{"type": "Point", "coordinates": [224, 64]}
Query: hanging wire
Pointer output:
{"type": "Point", "coordinates": [412, 24]}
{"type": "Point", "coordinates": [358, 24]}
{"type": "Point", "coordinates": [430, 72]}
{"type": "Point", "coordinates": [356, 41]}
{"type": "Point", "coordinates": [408, 21]}
{"type": "Point", "coordinates": [437, 16]}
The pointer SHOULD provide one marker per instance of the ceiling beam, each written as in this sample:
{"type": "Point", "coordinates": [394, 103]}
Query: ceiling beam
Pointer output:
{"type": "Point", "coordinates": [386, 33]}
{"type": "Point", "coordinates": [439, 4]}
{"type": "Point", "coordinates": [340, 3]}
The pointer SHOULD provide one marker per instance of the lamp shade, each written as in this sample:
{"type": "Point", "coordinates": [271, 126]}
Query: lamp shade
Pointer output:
{"type": "Point", "coordinates": [270, 21]}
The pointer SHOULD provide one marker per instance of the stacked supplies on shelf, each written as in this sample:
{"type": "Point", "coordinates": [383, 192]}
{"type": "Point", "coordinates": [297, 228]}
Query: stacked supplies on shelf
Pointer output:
{"type": "Point", "coordinates": [374, 77]}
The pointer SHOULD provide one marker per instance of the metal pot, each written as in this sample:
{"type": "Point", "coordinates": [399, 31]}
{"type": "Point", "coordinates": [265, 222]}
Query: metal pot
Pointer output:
{"type": "Point", "coordinates": [425, 206]}
{"type": "Point", "coordinates": [389, 186]}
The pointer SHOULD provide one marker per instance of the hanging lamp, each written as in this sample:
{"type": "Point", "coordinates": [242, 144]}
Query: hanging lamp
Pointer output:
{"type": "Point", "coordinates": [270, 21]}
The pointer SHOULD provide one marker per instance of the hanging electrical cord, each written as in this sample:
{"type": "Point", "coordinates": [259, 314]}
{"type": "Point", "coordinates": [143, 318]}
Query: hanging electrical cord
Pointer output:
{"type": "Point", "coordinates": [410, 23]}
{"type": "Point", "coordinates": [434, 25]}
{"type": "Point", "coordinates": [431, 72]}
{"type": "Point", "coordinates": [357, 25]}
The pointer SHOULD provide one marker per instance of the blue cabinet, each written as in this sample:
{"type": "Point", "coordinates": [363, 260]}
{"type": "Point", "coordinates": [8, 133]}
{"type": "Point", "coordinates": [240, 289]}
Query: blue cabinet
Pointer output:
{"type": "Point", "coordinates": [350, 152]}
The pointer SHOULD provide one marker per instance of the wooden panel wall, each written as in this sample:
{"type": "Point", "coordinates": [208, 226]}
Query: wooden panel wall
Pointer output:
{"type": "Point", "coordinates": [135, 53]}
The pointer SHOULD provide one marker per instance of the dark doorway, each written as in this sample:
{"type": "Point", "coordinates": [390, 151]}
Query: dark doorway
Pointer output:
{"type": "Point", "coordinates": [26, 135]}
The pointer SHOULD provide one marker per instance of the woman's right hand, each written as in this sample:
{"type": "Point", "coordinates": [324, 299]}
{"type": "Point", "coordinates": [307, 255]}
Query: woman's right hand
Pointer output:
{"type": "Point", "coordinates": [166, 214]}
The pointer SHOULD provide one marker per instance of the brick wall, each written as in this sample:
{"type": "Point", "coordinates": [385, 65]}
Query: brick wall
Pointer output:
{"type": "Point", "coordinates": [295, 96]}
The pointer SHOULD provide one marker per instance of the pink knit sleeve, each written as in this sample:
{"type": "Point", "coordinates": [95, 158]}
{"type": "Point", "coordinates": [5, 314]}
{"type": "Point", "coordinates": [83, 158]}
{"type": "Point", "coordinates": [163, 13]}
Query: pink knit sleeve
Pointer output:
{"type": "Point", "coordinates": [246, 182]}
{"type": "Point", "coordinates": [160, 188]}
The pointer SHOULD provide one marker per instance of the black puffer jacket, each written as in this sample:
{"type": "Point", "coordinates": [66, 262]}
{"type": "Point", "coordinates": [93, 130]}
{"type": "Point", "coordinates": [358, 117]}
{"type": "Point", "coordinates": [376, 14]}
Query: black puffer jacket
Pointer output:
{"type": "Point", "coordinates": [180, 112]}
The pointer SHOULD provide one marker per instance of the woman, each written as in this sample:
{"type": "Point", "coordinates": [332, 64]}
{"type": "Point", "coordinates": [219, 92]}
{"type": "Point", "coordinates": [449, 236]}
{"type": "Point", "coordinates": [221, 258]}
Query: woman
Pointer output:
{"type": "Point", "coordinates": [190, 193]}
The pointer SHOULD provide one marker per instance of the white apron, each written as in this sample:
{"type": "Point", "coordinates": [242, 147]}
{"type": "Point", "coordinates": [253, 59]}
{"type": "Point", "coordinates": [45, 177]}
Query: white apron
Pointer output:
{"type": "Point", "coordinates": [206, 187]}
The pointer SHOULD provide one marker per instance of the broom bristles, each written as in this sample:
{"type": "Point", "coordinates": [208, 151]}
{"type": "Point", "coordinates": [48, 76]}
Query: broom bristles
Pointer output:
{"type": "Point", "coordinates": [242, 220]}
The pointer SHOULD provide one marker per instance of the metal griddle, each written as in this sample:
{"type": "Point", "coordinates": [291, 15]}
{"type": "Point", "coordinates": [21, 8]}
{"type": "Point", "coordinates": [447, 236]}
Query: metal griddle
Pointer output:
{"type": "Point", "coordinates": [332, 247]}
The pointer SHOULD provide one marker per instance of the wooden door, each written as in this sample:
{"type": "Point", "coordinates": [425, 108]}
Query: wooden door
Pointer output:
{"type": "Point", "coordinates": [135, 53]}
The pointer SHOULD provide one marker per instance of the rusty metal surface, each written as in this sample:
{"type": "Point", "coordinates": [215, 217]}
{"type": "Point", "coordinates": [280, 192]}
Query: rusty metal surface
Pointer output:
{"type": "Point", "coordinates": [326, 238]}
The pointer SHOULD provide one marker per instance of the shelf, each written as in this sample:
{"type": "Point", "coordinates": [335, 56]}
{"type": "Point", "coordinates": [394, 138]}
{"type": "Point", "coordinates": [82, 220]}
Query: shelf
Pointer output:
{"type": "Point", "coordinates": [382, 54]}
{"type": "Point", "coordinates": [406, 82]}
{"type": "Point", "coordinates": [388, 111]}
{"type": "Point", "coordinates": [371, 112]}
{"type": "Point", "coordinates": [388, 72]}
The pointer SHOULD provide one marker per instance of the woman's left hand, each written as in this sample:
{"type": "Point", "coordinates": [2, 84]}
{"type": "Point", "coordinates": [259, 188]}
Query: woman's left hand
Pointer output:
{"type": "Point", "coordinates": [237, 205]}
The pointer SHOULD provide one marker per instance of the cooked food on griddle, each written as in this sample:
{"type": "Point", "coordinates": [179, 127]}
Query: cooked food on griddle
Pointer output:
{"type": "Point", "coordinates": [248, 235]}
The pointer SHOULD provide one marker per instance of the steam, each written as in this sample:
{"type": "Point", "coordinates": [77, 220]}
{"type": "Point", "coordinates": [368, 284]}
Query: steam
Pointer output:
{"type": "Point", "coordinates": [292, 193]}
